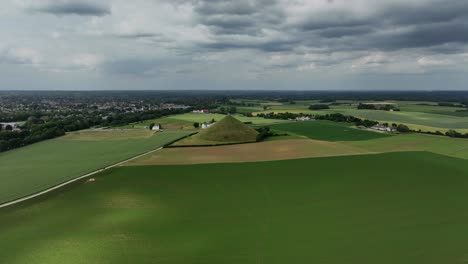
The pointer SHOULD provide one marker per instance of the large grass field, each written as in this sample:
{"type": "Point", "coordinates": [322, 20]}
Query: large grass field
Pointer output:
{"type": "Point", "coordinates": [401, 208]}
{"type": "Point", "coordinates": [329, 131]}
{"type": "Point", "coordinates": [30, 169]}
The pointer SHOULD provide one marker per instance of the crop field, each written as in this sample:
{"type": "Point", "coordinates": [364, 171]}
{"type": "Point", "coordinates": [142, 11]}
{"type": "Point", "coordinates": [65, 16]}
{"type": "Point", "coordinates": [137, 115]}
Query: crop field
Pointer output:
{"type": "Point", "coordinates": [392, 208]}
{"type": "Point", "coordinates": [34, 168]}
{"type": "Point", "coordinates": [329, 131]}
{"type": "Point", "coordinates": [191, 117]}
{"type": "Point", "coordinates": [416, 142]}
{"type": "Point", "coordinates": [262, 151]}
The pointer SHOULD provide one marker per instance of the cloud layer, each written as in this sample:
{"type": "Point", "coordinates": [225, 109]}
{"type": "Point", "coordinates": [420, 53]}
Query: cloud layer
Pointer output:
{"type": "Point", "coordinates": [313, 44]}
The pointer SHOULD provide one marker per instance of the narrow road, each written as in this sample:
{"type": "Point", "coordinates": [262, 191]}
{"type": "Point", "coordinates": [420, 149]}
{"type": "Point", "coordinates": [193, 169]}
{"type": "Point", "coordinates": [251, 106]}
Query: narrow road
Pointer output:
{"type": "Point", "coordinates": [32, 196]}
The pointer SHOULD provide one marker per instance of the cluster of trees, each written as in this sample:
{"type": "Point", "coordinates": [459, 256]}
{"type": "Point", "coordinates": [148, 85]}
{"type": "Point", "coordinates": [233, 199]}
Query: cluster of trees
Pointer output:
{"type": "Point", "coordinates": [11, 140]}
{"type": "Point", "coordinates": [265, 132]}
{"type": "Point", "coordinates": [385, 107]}
{"type": "Point", "coordinates": [284, 116]}
{"type": "Point", "coordinates": [319, 107]}
{"type": "Point", "coordinates": [450, 104]}
{"type": "Point", "coordinates": [227, 110]}
{"type": "Point", "coordinates": [455, 134]}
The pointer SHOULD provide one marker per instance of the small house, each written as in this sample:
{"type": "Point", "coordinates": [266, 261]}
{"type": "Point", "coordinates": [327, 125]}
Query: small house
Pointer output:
{"type": "Point", "coordinates": [156, 127]}
{"type": "Point", "coordinates": [303, 118]}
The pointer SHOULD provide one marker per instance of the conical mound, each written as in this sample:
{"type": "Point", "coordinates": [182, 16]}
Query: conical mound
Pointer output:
{"type": "Point", "coordinates": [229, 129]}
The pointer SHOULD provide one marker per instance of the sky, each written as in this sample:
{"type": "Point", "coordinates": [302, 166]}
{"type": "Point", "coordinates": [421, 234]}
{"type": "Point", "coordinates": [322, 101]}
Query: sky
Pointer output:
{"type": "Point", "coordinates": [241, 44]}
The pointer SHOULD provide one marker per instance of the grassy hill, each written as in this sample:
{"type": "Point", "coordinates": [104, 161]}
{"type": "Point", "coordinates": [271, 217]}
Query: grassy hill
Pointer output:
{"type": "Point", "coordinates": [227, 130]}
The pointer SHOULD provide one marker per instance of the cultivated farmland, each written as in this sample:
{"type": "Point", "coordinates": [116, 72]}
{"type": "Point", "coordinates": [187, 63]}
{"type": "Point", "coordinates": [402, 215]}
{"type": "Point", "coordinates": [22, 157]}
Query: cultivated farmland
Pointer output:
{"type": "Point", "coordinates": [401, 208]}
{"type": "Point", "coordinates": [30, 169]}
{"type": "Point", "coordinates": [261, 151]}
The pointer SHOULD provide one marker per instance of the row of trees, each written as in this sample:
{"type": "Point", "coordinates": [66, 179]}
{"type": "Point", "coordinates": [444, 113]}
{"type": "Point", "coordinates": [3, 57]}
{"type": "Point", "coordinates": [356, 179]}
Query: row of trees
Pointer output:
{"type": "Point", "coordinates": [319, 107]}
{"type": "Point", "coordinates": [385, 107]}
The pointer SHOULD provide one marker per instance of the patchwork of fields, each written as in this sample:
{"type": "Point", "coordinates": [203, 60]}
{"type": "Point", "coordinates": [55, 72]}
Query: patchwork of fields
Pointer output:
{"type": "Point", "coordinates": [327, 193]}
{"type": "Point", "coordinates": [426, 116]}
{"type": "Point", "coordinates": [389, 208]}
{"type": "Point", "coordinates": [34, 168]}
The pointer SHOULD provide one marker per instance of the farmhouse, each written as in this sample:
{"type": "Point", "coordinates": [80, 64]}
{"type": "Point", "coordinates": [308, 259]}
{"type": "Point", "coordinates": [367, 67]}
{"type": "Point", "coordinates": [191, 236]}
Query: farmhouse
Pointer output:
{"type": "Point", "coordinates": [380, 127]}
{"type": "Point", "coordinates": [201, 111]}
{"type": "Point", "coordinates": [303, 118]}
{"type": "Point", "coordinates": [156, 127]}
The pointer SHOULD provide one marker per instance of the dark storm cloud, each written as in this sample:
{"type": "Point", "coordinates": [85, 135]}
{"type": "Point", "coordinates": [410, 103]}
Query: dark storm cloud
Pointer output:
{"type": "Point", "coordinates": [240, 17]}
{"type": "Point", "coordinates": [75, 7]}
{"type": "Point", "coordinates": [424, 24]}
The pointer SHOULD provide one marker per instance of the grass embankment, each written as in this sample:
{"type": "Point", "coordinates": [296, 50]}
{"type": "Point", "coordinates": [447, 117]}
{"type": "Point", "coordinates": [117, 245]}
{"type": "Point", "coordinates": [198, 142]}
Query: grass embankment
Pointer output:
{"type": "Point", "coordinates": [401, 208]}
{"type": "Point", "coordinates": [228, 130]}
{"type": "Point", "coordinates": [34, 168]}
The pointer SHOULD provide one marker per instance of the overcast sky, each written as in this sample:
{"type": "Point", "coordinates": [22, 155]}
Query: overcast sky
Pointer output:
{"type": "Point", "coordinates": [241, 44]}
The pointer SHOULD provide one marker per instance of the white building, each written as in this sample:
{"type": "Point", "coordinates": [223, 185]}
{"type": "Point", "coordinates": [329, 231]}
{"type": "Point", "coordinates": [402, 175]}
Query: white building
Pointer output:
{"type": "Point", "coordinates": [205, 125]}
{"type": "Point", "coordinates": [383, 128]}
{"type": "Point", "coordinates": [303, 118]}
{"type": "Point", "coordinates": [201, 111]}
{"type": "Point", "coordinates": [156, 127]}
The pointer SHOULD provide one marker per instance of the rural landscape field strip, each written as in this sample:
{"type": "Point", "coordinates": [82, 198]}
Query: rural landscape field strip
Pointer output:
{"type": "Point", "coordinates": [262, 151]}
{"type": "Point", "coordinates": [329, 131]}
{"type": "Point", "coordinates": [417, 116]}
{"type": "Point", "coordinates": [391, 208]}
{"type": "Point", "coordinates": [35, 168]}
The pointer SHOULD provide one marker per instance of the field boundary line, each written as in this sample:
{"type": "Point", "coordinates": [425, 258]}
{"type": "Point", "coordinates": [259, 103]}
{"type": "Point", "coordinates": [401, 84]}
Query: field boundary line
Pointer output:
{"type": "Point", "coordinates": [56, 187]}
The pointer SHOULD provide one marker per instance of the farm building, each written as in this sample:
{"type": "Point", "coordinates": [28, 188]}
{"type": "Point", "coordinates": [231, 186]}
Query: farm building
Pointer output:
{"type": "Point", "coordinates": [156, 127]}
{"type": "Point", "coordinates": [383, 128]}
{"type": "Point", "coordinates": [303, 118]}
{"type": "Point", "coordinates": [201, 111]}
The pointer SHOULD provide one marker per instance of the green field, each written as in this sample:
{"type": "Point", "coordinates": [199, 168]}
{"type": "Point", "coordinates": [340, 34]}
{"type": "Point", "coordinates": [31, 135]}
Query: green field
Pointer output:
{"type": "Point", "coordinates": [403, 208]}
{"type": "Point", "coordinates": [454, 147]}
{"type": "Point", "coordinates": [30, 169]}
{"type": "Point", "coordinates": [328, 131]}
